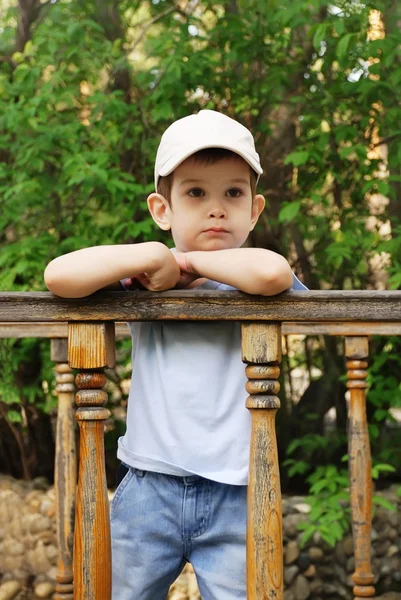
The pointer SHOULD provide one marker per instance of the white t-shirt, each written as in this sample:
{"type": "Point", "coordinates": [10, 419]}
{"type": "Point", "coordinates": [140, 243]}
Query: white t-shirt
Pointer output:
{"type": "Point", "coordinates": [186, 409]}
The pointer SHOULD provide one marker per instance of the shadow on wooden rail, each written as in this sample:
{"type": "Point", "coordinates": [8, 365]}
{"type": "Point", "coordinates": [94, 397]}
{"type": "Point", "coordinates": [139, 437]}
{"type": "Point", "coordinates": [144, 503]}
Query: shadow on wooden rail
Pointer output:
{"type": "Point", "coordinates": [90, 333]}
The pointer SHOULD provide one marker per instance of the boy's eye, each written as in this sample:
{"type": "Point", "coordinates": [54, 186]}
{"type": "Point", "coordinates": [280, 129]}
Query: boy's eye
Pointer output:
{"type": "Point", "coordinates": [196, 192]}
{"type": "Point", "coordinates": [234, 193]}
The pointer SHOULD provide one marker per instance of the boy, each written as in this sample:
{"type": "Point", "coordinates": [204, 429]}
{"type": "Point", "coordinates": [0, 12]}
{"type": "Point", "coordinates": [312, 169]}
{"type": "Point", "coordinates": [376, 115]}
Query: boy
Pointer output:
{"type": "Point", "coordinates": [182, 490]}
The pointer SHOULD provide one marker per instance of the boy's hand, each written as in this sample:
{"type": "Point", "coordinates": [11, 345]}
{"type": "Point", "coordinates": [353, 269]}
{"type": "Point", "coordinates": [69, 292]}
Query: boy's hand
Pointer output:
{"type": "Point", "coordinates": [189, 278]}
{"type": "Point", "coordinates": [164, 273]}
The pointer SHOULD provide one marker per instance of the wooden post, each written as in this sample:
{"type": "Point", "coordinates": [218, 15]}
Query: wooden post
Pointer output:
{"type": "Point", "coordinates": [360, 465]}
{"type": "Point", "coordinates": [65, 473]}
{"type": "Point", "coordinates": [91, 348]}
{"type": "Point", "coordinates": [261, 349]}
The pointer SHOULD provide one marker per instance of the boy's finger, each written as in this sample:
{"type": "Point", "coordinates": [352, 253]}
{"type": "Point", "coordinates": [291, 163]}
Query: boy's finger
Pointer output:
{"type": "Point", "coordinates": [185, 280]}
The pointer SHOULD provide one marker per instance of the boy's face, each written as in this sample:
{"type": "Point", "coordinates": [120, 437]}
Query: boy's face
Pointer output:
{"type": "Point", "coordinates": [211, 206]}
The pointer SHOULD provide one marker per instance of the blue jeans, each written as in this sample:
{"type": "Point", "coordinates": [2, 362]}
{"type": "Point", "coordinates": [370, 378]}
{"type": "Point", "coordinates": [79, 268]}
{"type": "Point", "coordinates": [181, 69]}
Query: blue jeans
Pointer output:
{"type": "Point", "coordinates": [160, 522]}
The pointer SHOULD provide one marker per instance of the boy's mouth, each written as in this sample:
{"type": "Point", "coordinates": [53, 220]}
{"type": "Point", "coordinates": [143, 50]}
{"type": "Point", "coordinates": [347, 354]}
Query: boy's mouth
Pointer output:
{"type": "Point", "coordinates": [216, 230]}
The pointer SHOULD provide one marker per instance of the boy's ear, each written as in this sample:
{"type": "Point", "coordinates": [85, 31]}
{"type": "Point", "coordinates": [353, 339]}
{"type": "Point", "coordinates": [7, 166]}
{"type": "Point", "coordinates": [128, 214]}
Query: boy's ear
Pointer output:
{"type": "Point", "coordinates": [258, 205]}
{"type": "Point", "coordinates": [160, 210]}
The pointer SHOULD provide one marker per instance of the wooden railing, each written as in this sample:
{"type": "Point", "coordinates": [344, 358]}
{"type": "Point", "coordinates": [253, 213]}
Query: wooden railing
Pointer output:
{"type": "Point", "coordinates": [354, 315]}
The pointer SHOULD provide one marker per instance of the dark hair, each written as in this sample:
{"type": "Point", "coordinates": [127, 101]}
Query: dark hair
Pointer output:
{"type": "Point", "coordinates": [208, 156]}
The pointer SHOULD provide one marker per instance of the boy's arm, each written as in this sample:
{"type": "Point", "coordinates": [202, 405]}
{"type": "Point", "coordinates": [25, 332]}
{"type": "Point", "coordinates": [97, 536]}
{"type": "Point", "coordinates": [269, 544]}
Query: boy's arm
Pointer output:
{"type": "Point", "coordinates": [85, 271]}
{"type": "Point", "coordinates": [251, 270]}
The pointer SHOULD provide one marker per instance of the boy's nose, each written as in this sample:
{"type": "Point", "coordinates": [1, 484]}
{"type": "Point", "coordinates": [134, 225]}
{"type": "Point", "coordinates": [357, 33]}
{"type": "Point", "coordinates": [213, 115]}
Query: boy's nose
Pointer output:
{"type": "Point", "coordinates": [217, 213]}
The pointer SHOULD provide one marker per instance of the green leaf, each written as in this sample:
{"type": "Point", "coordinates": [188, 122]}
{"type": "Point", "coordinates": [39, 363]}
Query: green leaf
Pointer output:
{"type": "Point", "coordinates": [381, 468]}
{"type": "Point", "coordinates": [380, 501]}
{"type": "Point", "coordinates": [297, 158]}
{"type": "Point", "coordinates": [320, 34]}
{"type": "Point", "coordinates": [339, 26]}
{"type": "Point", "coordinates": [289, 211]}
{"type": "Point", "coordinates": [14, 416]}
{"type": "Point", "coordinates": [344, 44]}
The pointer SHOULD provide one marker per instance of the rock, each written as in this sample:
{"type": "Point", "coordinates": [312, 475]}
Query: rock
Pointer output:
{"type": "Point", "coordinates": [44, 590]}
{"type": "Point", "coordinates": [40, 483]}
{"type": "Point", "coordinates": [310, 572]}
{"type": "Point", "coordinates": [291, 552]}
{"type": "Point", "coordinates": [326, 572]}
{"type": "Point", "coordinates": [52, 553]}
{"type": "Point", "coordinates": [316, 585]}
{"type": "Point", "coordinates": [348, 544]}
{"type": "Point", "coordinates": [290, 525]}
{"type": "Point", "coordinates": [303, 508]}
{"type": "Point", "coordinates": [384, 533]}
{"type": "Point", "coordinates": [316, 537]}
{"type": "Point", "coordinates": [38, 560]}
{"type": "Point", "coordinates": [382, 547]}
{"type": "Point", "coordinates": [340, 576]}
{"type": "Point", "coordinates": [303, 561]}
{"type": "Point", "coordinates": [40, 523]}
{"type": "Point", "coordinates": [16, 549]}
{"type": "Point", "coordinates": [286, 507]}
{"type": "Point", "coordinates": [301, 588]}
{"type": "Point", "coordinates": [331, 590]}
{"type": "Point", "coordinates": [15, 529]}
{"type": "Point", "coordinates": [316, 554]}
{"type": "Point", "coordinates": [47, 508]}
{"type": "Point", "coordinates": [9, 590]}
{"type": "Point", "coordinates": [394, 519]}
{"type": "Point", "coordinates": [289, 574]}
{"type": "Point", "coordinates": [46, 537]}
{"type": "Point", "coordinates": [350, 566]}
{"type": "Point", "coordinates": [52, 573]}
{"type": "Point", "coordinates": [185, 587]}
{"type": "Point", "coordinates": [340, 555]}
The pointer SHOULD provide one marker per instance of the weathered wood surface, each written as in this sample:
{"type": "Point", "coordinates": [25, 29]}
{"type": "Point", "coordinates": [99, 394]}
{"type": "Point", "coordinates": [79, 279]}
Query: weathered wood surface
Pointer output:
{"type": "Point", "coordinates": [50, 330]}
{"type": "Point", "coordinates": [60, 330]}
{"type": "Point", "coordinates": [203, 305]}
{"type": "Point", "coordinates": [65, 474]}
{"type": "Point", "coordinates": [261, 349]}
{"type": "Point", "coordinates": [360, 465]}
{"type": "Point", "coordinates": [91, 347]}
{"type": "Point", "coordinates": [342, 329]}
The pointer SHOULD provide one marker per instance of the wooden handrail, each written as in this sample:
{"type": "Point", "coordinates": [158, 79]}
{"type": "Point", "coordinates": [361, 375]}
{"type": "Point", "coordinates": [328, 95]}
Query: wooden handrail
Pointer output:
{"type": "Point", "coordinates": [355, 315]}
{"type": "Point", "coordinates": [187, 305]}
{"type": "Point", "coordinates": [42, 329]}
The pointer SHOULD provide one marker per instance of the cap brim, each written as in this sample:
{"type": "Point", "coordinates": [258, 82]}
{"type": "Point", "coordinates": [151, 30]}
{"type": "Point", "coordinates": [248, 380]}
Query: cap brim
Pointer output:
{"type": "Point", "coordinates": [174, 161]}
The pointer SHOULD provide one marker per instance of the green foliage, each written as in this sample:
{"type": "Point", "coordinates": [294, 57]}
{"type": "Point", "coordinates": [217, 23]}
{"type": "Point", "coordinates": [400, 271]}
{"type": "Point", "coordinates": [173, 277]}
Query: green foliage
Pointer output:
{"type": "Point", "coordinates": [8, 391]}
{"type": "Point", "coordinates": [328, 485]}
{"type": "Point", "coordinates": [384, 396]}
{"type": "Point", "coordinates": [329, 502]}
{"type": "Point", "coordinates": [78, 143]}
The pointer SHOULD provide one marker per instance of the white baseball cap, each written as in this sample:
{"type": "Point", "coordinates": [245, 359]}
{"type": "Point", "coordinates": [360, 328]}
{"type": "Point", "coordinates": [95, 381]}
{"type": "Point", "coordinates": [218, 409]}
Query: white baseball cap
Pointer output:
{"type": "Point", "coordinates": [206, 129]}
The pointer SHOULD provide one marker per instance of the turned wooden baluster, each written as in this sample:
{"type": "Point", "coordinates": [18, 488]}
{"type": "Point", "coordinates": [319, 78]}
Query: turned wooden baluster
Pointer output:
{"type": "Point", "coordinates": [91, 348]}
{"type": "Point", "coordinates": [65, 473]}
{"type": "Point", "coordinates": [261, 349]}
{"type": "Point", "coordinates": [360, 465]}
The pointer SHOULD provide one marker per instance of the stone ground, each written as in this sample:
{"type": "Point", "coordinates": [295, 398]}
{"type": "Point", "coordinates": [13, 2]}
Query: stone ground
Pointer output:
{"type": "Point", "coordinates": [28, 550]}
{"type": "Point", "coordinates": [185, 588]}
